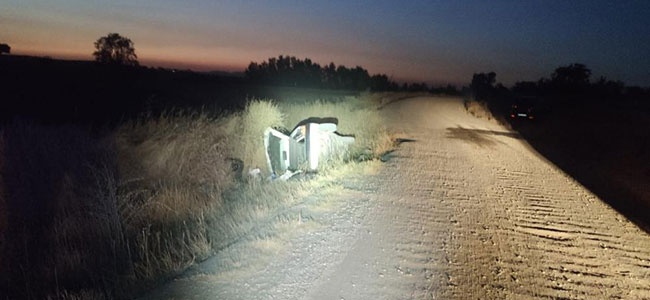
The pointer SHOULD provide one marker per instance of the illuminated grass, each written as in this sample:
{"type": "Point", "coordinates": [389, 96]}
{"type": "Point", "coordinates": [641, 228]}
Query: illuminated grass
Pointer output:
{"type": "Point", "coordinates": [173, 192]}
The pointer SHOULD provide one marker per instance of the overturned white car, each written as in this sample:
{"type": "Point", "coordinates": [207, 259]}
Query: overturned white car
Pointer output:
{"type": "Point", "coordinates": [312, 141]}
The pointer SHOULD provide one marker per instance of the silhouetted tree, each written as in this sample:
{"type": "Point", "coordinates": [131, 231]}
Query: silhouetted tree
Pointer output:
{"type": "Point", "coordinates": [571, 75]}
{"type": "Point", "coordinates": [254, 72]}
{"type": "Point", "coordinates": [291, 71]}
{"type": "Point", "coordinates": [451, 90]}
{"type": "Point", "coordinates": [418, 87]}
{"type": "Point", "coordinates": [445, 90]}
{"type": "Point", "coordinates": [483, 84]}
{"type": "Point", "coordinates": [115, 49]}
{"type": "Point", "coordinates": [343, 75]}
{"type": "Point", "coordinates": [568, 84]}
{"type": "Point", "coordinates": [329, 77]}
{"type": "Point", "coordinates": [4, 48]}
{"type": "Point", "coordinates": [570, 80]}
{"type": "Point", "coordinates": [380, 82]}
{"type": "Point", "coordinates": [604, 89]}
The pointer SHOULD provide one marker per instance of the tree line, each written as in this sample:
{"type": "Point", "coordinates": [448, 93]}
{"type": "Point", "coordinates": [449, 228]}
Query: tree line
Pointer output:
{"type": "Point", "coordinates": [571, 82]}
{"type": "Point", "coordinates": [284, 71]}
{"type": "Point", "coordinates": [291, 71]}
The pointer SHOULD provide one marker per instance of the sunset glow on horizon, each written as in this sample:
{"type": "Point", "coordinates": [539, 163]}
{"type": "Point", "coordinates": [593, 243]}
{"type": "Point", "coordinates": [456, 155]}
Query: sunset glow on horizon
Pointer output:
{"type": "Point", "coordinates": [434, 42]}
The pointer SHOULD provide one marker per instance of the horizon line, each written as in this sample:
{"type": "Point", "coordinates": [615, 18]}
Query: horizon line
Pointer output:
{"type": "Point", "coordinates": [207, 68]}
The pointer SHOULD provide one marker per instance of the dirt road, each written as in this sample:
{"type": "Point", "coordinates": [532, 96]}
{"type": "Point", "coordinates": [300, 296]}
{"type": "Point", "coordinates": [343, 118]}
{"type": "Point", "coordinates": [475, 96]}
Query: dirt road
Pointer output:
{"type": "Point", "coordinates": [466, 211]}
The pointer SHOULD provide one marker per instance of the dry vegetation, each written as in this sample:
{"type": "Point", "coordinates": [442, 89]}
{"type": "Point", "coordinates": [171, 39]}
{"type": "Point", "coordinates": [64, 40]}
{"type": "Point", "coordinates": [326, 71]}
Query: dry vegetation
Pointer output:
{"type": "Point", "coordinates": [478, 109]}
{"type": "Point", "coordinates": [88, 219]}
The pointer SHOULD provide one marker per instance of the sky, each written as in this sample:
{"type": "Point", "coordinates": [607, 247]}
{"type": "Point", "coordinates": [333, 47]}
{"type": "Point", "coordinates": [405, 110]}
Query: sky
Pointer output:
{"type": "Point", "coordinates": [437, 42]}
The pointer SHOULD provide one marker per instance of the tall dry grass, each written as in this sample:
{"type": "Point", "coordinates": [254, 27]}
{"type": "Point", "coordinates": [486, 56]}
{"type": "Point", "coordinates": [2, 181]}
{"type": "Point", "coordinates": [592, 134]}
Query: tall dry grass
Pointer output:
{"type": "Point", "coordinates": [173, 170]}
{"type": "Point", "coordinates": [119, 214]}
{"type": "Point", "coordinates": [247, 128]}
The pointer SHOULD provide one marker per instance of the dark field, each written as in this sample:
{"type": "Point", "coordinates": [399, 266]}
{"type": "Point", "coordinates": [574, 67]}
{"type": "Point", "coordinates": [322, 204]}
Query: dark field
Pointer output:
{"type": "Point", "coordinates": [604, 144]}
{"type": "Point", "coordinates": [84, 92]}
{"type": "Point", "coordinates": [604, 147]}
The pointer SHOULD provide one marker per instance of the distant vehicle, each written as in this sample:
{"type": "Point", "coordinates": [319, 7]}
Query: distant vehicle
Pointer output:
{"type": "Point", "coordinates": [525, 107]}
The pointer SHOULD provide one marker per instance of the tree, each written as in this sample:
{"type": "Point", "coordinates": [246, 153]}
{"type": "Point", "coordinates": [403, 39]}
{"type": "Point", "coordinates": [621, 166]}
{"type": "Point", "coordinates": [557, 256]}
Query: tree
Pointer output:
{"type": "Point", "coordinates": [418, 87]}
{"type": "Point", "coordinates": [607, 89]}
{"type": "Point", "coordinates": [483, 84]}
{"type": "Point", "coordinates": [4, 48]}
{"type": "Point", "coordinates": [379, 82]}
{"type": "Point", "coordinates": [572, 75]}
{"type": "Point", "coordinates": [115, 49]}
